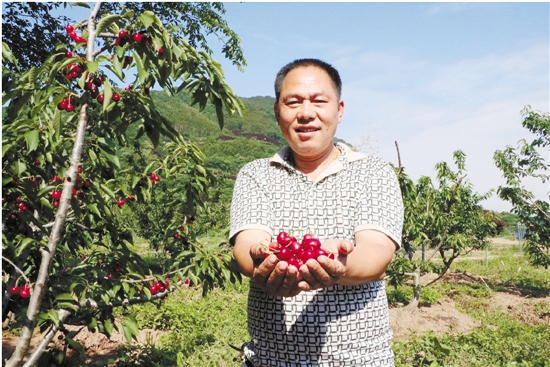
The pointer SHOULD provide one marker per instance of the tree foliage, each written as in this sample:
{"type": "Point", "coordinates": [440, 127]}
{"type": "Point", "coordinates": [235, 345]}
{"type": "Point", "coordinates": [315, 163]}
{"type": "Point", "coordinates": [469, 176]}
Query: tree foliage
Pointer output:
{"type": "Point", "coordinates": [71, 175]}
{"type": "Point", "coordinates": [522, 163]}
{"type": "Point", "coordinates": [32, 29]}
{"type": "Point", "coordinates": [444, 218]}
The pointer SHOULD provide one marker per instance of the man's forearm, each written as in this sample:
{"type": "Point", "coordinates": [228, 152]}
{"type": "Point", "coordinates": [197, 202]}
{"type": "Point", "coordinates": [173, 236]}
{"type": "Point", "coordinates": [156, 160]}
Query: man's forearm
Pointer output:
{"type": "Point", "coordinates": [369, 259]}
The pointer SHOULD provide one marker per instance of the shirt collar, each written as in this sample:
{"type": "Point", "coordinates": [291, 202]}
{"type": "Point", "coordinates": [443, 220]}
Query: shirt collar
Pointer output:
{"type": "Point", "coordinates": [348, 155]}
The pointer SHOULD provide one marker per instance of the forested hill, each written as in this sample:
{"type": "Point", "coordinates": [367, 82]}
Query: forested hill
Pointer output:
{"type": "Point", "coordinates": [254, 135]}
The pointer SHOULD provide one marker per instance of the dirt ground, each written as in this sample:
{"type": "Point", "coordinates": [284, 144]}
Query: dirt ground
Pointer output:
{"type": "Point", "coordinates": [441, 318]}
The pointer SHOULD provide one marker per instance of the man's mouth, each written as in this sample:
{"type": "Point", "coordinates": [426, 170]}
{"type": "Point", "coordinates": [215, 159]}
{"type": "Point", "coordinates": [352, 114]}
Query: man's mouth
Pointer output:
{"type": "Point", "coordinates": [307, 129]}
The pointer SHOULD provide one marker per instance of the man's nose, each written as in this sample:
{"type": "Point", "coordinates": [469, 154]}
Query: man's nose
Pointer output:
{"type": "Point", "coordinates": [307, 111]}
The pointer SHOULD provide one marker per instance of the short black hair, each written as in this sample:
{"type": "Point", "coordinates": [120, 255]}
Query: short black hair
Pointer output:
{"type": "Point", "coordinates": [329, 69]}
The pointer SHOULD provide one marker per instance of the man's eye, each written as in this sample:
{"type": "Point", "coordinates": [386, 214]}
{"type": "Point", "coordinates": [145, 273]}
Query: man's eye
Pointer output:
{"type": "Point", "coordinates": [320, 101]}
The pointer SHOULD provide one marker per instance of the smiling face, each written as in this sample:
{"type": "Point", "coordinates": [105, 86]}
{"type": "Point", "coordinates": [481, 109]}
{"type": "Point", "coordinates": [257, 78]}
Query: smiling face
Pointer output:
{"type": "Point", "coordinates": [308, 112]}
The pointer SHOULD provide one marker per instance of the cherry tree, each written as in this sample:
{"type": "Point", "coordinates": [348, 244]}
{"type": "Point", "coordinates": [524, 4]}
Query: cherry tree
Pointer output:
{"type": "Point", "coordinates": [66, 251]}
{"type": "Point", "coordinates": [522, 163]}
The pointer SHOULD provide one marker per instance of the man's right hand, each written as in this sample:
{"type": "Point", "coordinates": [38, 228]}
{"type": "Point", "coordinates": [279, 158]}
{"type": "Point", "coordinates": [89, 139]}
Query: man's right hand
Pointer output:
{"type": "Point", "coordinates": [276, 278]}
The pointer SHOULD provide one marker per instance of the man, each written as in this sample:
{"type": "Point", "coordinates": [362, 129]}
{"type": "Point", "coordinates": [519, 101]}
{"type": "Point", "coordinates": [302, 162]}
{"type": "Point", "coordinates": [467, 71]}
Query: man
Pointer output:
{"type": "Point", "coordinates": [329, 312]}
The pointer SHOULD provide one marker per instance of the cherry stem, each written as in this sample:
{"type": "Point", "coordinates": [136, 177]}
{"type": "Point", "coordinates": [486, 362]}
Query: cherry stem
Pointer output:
{"type": "Point", "coordinates": [18, 270]}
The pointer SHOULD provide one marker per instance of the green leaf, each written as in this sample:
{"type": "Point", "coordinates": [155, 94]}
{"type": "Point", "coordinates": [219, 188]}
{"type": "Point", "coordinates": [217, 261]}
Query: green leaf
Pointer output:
{"type": "Point", "coordinates": [54, 316]}
{"type": "Point", "coordinates": [108, 191]}
{"type": "Point", "coordinates": [32, 138]}
{"type": "Point", "coordinates": [107, 94]}
{"type": "Point", "coordinates": [24, 243]}
{"type": "Point", "coordinates": [110, 156]}
{"type": "Point", "coordinates": [93, 323]}
{"type": "Point", "coordinates": [142, 73]}
{"type": "Point", "coordinates": [130, 328]}
{"type": "Point", "coordinates": [76, 345]}
{"type": "Point", "coordinates": [64, 297]}
{"type": "Point", "coordinates": [93, 208]}
{"type": "Point", "coordinates": [20, 167]}
{"type": "Point", "coordinates": [92, 66]}
{"type": "Point", "coordinates": [147, 18]}
{"type": "Point", "coordinates": [106, 22]}
{"type": "Point", "coordinates": [108, 326]}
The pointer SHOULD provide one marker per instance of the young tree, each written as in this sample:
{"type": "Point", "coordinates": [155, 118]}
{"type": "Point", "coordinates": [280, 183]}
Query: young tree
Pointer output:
{"type": "Point", "coordinates": [65, 246]}
{"type": "Point", "coordinates": [445, 219]}
{"type": "Point", "coordinates": [518, 164]}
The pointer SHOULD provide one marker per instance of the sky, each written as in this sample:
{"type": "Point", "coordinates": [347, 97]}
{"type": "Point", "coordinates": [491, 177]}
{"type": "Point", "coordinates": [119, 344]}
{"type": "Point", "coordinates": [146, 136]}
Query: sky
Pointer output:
{"type": "Point", "coordinates": [433, 77]}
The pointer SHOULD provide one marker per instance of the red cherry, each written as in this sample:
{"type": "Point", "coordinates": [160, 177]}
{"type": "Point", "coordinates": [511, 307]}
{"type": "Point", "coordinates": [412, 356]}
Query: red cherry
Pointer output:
{"type": "Point", "coordinates": [320, 252]}
{"type": "Point", "coordinates": [122, 33]}
{"type": "Point", "coordinates": [73, 35]}
{"type": "Point", "coordinates": [120, 202]}
{"type": "Point", "coordinates": [284, 254]}
{"type": "Point", "coordinates": [15, 289]}
{"type": "Point", "coordinates": [186, 281]}
{"type": "Point", "coordinates": [283, 238]}
{"type": "Point", "coordinates": [130, 197]}
{"type": "Point", "coordinates": [166, 284]}
{"type": "Point", "coordinates": [295, 262]}
{"type": "Point", "coordinates": [296, 248]}
{"type": "Point", "coordinates": [70, 107]}
{"type": "Point", "coordinates": [161, 50]}
{"type": "Point", "coordinates": [79, 169]}
{"type": "Point", "coordinates": [306, 255]}
{"type": "Point", "coordinates": [152, 176]}
{"type": "Point", "coordinates": [69, 54]}
{"type": "Point", "coordinates": [311, 244]}
{"type": "Point", "coordinates": [100, 98]}
{"type": "Point", "coordinates": [176, 235]}
{"type": "Point", "coordinates": [157, 178]}
{"type": "Point", "coordinates": [56, 194]}
{"type": "Point", "coordinates": [55, 204]}
{"type": "Point", "coordinates": [182, 229]}
{"type": "Point", "coordinates": [21, 205]}
{"type": "Point", "coordinates": [79, 39]}
{"type": "Point", "coordinates": [110, 276]}
{"type": "Point", "coordinates": [25, 293]}
{"type": "Point", "coordinates": [138, 37]}
{"type": "Point", "coordinates": [69, 28]}
{"type": "Point", "coordinates": [62, 105]}
{"type": "Point", "coordinates": [73, 191]}
{"type": "Point", "coordinates": [116, 97]}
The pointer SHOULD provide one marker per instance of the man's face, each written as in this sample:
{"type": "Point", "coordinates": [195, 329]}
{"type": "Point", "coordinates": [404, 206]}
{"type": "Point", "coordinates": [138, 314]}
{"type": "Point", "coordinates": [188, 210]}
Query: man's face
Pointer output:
{"type": "Point", "coordinates": [309, 111]}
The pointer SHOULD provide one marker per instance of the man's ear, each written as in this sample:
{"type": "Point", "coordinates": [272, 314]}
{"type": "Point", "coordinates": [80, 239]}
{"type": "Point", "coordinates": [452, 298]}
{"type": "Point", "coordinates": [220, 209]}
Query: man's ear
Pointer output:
{"type": "Point", "coordinates": [276, 111]}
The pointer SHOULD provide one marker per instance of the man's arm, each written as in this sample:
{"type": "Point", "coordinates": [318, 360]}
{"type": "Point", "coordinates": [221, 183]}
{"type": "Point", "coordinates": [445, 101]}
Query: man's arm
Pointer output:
{"type": "Point", "coordinates": [274, 277]}
{"type": "Point", "coordinates": [366, 262]}
{"type": "Point", "coordinates": [369, 260]}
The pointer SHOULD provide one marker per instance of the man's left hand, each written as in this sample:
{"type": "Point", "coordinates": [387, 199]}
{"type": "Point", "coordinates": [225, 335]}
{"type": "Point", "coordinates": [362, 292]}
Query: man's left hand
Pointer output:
{"type": "Point", "coordinates": [324, 272]}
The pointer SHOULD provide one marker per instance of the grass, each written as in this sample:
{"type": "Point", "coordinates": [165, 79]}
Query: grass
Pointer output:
{"type": "Point", "coordinates": [199, 330]}
{"type": "Point", "coordinates": [504, 339]}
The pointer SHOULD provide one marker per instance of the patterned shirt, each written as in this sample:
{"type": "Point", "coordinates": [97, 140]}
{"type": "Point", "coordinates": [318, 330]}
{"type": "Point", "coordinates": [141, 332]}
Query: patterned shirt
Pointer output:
{"type": "Point", "coordinates": [336, 326]}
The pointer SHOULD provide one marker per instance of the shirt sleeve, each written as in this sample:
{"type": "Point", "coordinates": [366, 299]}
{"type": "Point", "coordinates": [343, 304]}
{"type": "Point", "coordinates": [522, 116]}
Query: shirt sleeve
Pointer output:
{"type": "Point", "coordinates": [250, 205]}
{"type": "Point", "coordinates": [381, 204]}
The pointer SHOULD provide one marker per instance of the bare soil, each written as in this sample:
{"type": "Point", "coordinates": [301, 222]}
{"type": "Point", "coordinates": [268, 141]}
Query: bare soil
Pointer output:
{"type": "Point", "coordinates": [440, 318]}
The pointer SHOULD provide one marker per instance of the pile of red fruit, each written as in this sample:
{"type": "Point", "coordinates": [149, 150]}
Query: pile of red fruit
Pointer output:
{"type": "Point", "coordinates": [289, 249]}
{"type": "Point", "coordinates": [24, 292]}
{"type": "Point", "coordinates": [159, 287]}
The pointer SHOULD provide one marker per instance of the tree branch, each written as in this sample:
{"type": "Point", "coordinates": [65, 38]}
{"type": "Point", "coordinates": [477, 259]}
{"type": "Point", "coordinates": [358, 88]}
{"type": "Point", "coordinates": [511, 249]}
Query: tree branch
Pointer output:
{"type": "Point", "coordinates": [17, 269]}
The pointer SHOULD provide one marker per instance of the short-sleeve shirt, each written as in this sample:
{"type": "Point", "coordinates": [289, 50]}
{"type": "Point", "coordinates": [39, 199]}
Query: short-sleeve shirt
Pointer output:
{"type": "Point", "coordinates": [335, 326]}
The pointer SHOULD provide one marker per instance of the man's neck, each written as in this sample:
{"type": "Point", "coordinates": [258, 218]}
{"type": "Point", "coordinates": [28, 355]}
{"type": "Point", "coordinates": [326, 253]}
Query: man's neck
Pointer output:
{"type": "Point", "coordinates": [313, 167]}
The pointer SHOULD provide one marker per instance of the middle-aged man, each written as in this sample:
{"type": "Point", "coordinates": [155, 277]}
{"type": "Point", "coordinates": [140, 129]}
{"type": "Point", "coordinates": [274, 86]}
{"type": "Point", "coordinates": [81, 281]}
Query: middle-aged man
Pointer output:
{"type": "Point", "coordinates": [327, 312]}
